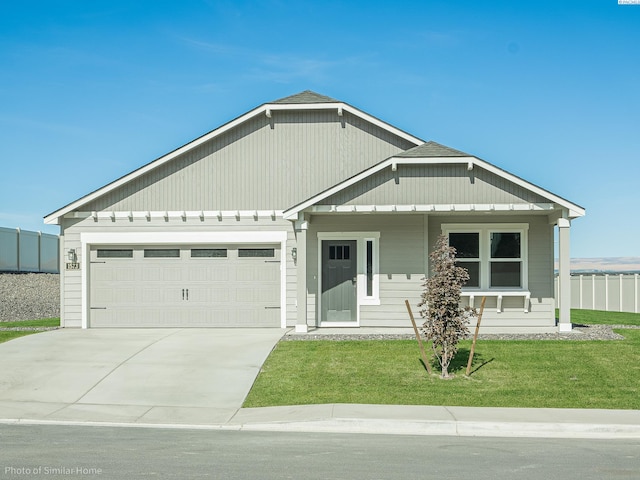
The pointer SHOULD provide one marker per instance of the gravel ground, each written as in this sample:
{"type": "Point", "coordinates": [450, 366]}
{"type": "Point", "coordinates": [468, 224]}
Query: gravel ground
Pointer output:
{"type": "Point", "coordinates": [580, 332]}
{"type": "Point", "coordinates": [29, 296]}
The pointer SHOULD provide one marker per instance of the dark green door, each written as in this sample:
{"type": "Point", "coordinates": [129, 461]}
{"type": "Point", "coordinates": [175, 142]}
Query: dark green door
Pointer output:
{"type": "Point", "coordinates": [339, 261]}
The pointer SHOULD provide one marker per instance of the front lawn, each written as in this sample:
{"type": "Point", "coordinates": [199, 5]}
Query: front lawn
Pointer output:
{"type": "Point", "coordinates": [531, 373]}
{"type": "Point", "coordinates": [6, 335]}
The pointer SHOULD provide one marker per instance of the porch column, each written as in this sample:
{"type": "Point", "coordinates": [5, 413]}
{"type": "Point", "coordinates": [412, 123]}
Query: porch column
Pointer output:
{"type": "Point", "coordinates": [301, 276]}
{"type": "Point", "coordinates": [564, 275]}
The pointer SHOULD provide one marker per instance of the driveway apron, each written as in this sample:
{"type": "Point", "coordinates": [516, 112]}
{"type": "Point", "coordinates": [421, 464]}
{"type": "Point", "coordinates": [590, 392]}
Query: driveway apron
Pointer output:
{"type": "Point", "coordinates": [132, 375]}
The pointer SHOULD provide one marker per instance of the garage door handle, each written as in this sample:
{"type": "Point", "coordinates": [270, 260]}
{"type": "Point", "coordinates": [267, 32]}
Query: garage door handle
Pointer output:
{"type": "Point", "coordinates": [187, 294]}
{"type": "Point", "coordinates": [183, 293]}
{"type": "Point", "coordinates": [266, 308]}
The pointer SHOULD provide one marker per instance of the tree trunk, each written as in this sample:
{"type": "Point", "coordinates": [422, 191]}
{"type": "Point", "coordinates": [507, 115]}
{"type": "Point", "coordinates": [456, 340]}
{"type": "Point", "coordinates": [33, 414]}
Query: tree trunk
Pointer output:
{"type": "Point", "coordinates": [445, 362]}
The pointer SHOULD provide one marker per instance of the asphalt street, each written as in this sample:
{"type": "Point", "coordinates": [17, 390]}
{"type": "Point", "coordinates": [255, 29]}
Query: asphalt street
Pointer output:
{"type": "Point", "coordinates": [56, 452]}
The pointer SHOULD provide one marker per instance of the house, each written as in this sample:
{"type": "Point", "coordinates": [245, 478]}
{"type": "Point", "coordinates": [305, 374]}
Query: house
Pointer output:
{"type": "Point", "coordinates": [309, 212]}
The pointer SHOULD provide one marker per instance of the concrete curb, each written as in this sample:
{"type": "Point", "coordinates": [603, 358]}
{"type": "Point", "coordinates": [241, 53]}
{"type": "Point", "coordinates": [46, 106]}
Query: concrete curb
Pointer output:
{"type": "Point", "coordinates": [397, 420]}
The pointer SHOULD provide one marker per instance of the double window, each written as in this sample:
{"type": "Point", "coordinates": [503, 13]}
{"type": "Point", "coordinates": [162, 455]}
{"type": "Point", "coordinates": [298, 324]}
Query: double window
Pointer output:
{"type": "Point", "coordinates": [494, 255]}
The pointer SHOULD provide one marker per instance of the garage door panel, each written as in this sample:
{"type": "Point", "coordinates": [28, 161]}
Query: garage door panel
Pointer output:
{"type": "Point", "coordinates": [213, 272]}
{"type": "Point", "coordinates": [258, 273]}
{"type": "Point", "coordinates": [185, 291]}
{"type": "Point", "coordinates": [162, 273]}
{"type": "Point", "coordinates": [154, 296]}
{"type": "Point", "coordinates": [252, 295]}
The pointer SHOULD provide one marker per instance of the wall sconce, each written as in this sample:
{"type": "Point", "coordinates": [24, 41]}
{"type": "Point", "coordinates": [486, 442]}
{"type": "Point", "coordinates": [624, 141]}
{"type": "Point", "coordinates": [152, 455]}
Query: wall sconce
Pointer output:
{"type": "Point", "coordinates": [71, 255]}
{"type": "Point", "coordinates": [294, 253]}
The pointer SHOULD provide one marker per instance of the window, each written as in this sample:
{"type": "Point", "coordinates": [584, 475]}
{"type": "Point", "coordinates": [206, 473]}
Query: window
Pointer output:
{"type": "Point", "coordinates": [208, 253]}
{"type": "Point", "coordinates": [256, 252]}
{"type": "Point", "coordinates": [114, 253]}
{"type": "Point", "coordinates": [161, 253]}
{"type": "Point", "coordinates": [339, 252]}
{"type": "Point", "coordinates": [467, 247]}
{"type": "Point", "coordinates": [493, 254]}
{"type": "Point", "coordinates": [506, 259]}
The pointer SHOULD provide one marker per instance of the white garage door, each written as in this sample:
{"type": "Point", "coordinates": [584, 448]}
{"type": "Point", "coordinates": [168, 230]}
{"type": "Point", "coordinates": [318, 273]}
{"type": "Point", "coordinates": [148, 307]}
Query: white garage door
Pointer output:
{"type": "Point", "coordinates": [185, 286]}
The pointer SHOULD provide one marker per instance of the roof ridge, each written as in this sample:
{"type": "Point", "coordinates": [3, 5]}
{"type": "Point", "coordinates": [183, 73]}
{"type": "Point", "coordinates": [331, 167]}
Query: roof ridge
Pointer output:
{"type": "Point", "coordinates": [306, 96]}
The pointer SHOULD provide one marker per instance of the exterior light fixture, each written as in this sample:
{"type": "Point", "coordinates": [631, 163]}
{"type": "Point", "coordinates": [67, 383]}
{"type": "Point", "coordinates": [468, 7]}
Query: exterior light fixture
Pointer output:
{"type": "Point", "coordinates": [71, 255]}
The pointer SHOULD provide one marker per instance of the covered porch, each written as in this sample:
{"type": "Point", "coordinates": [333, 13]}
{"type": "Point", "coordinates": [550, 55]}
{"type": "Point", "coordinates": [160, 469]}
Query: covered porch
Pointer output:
{"type": "Point", "coordinates": [388, 218]}
{"type": "Point", "coordinates": [356, 268]}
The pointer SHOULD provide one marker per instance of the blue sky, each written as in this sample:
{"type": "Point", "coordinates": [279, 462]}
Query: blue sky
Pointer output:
{"type": "Point", "coordinates": [548, 90]}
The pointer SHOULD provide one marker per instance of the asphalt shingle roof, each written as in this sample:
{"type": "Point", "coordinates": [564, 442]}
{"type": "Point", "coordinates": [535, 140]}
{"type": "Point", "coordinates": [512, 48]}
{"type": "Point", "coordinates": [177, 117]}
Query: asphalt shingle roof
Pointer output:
{"type": "Point", "coordinates": [306, 97]}
{"type": "Point", "coordinates": [432, 149]}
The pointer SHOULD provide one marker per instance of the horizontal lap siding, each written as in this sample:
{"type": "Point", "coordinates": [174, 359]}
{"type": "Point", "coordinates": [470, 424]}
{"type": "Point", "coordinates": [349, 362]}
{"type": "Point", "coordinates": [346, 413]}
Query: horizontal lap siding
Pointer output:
{"type": "Point", "coordinates": [541, 254]}
{"type": "Point", "coordinates": [261, 164]}
{"type": "Point", "coordinates": [72, 290]}
{"type": "Point", "coordinates": [401, 258]}
{"type": "Point", "coordinates": [71, 298]}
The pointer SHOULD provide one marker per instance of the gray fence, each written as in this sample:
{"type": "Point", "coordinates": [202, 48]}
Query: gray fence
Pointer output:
{"type": "Point", "coordinates": [26, 251]}
{"type": "Point", "coordinates": [608, 292]}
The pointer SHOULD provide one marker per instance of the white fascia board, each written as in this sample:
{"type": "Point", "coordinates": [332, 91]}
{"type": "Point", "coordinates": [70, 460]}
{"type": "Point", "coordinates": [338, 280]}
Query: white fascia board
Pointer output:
{"type": "Point", "coordinates": [53, 218]}
{"type": "Point", "coordinates": [574, 210]}
{"type": "Point", "coordinates": [292, 213]}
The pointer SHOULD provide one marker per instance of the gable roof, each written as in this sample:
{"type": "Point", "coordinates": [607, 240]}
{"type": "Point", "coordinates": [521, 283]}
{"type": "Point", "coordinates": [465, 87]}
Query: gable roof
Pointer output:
{"type": "Point", "coordinates": [433, 153]}
{"type": "Point", "coordinates": [306, 100]}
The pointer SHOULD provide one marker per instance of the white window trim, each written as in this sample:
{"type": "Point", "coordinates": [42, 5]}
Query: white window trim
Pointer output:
{"type": "Point", "coordinates": [361, 239]}
{"type": "Point", "coordinates": [184, 238]}
{"type": "Point", "coordinates": [484, 230]}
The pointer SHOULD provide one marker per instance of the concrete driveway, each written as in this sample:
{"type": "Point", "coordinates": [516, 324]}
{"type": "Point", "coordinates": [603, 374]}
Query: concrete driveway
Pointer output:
{"type": "Point", "coordinates": [164, 376]}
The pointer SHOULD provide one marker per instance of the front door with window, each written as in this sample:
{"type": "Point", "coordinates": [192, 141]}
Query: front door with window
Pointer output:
{"type": "Point", "coordinates": [339, 279]}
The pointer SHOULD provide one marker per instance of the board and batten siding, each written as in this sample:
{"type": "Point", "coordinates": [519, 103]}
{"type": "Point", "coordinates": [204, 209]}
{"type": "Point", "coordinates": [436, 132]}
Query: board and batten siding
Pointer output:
{"type": "Point", "coordinates": [540, 269]}
{"type": "Point", "coordinates": [433, 184]}
{"type": "Point", "coordinates": [261, 164]}
{"type": "Point", "coordinates": [71, 300]}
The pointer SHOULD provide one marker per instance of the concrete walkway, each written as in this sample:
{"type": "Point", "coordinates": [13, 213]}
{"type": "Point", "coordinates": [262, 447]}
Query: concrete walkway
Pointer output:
{"type": "Point", "coordinates": [198, 378]}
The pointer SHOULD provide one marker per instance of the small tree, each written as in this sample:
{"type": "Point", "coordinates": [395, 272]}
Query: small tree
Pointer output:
{"type": "Point", "coordinates": [445, 321]}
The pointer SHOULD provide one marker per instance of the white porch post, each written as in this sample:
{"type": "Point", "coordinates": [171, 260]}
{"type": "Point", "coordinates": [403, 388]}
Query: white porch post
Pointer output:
{"type": "Point", "coordinates": [301, 276]}
{"type": "Point", "coordinates": [564, 275]}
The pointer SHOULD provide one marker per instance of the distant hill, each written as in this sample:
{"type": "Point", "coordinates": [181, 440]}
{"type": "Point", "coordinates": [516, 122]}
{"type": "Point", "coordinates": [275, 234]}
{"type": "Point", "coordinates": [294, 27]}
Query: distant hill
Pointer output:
{"type": "Point", "coordinates": [605, 265]}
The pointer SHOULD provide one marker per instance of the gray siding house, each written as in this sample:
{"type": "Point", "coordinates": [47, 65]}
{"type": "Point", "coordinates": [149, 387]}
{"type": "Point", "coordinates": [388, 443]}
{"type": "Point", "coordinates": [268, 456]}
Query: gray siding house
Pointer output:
{"type": "Point", "coordinates": [307, 212]}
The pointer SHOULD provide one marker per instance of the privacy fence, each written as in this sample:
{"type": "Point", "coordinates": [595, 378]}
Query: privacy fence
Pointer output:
{"type": "Point", "coordinates": [26, 251]}
{"type": "Point", "coordinates": [609, 292]}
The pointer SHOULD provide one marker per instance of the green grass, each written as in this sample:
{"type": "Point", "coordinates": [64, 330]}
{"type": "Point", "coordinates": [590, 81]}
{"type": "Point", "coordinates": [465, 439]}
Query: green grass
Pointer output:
{"type": "Point", "coordinates": [5, 336]}
{"type": "Point", "coordinates": [592, 317]}
{"type": "Point", "coordinates": [549, 373]}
